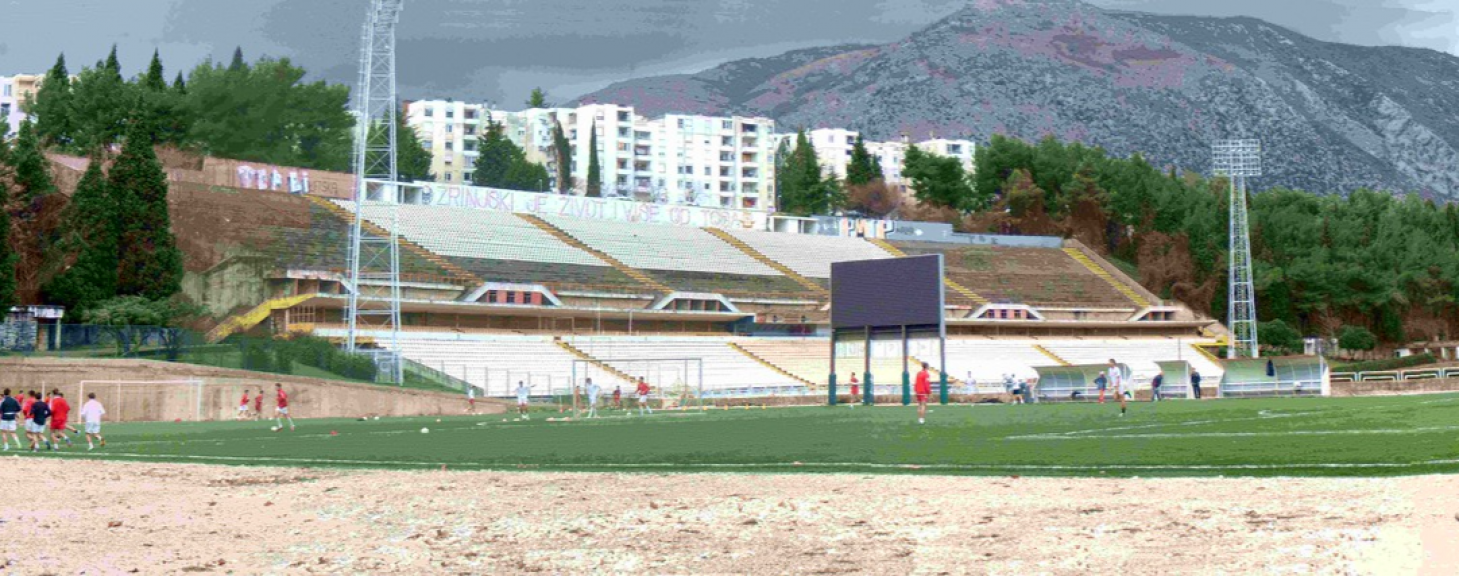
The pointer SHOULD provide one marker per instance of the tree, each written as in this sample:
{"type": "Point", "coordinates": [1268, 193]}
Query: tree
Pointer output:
{"type": "Point", "coordinates": [502, 164]}
{"type": "Point", "coordinates": [149, 263]}
{"type": "Point", "coordinates": [1357, 338]}
{"type": "Point", "coordinates": [802, 189]}
{"type": "Point", "coordinates": [154, 79]}
{"type": "Point", "coordinates": [129, 319]}
{"type": "Point", "coordinates": [1280, 337]}
{"type": "Point", "coordinates": [30, 172]}
{"type": "Point", "coordinates": [101, 104]}
{"type": "Point", "coordinates": [940, 181]}
{"type": "Point", "coordinates": [562, 155]}
{"type": "Point", "coordinates": [876, 198]}
{"type": "Point", "coordinates": [537, 100]}
{"type": "Point", "coordinates": [237, 64]}
{"type": "Point", "coordinates": [595, 172]}
{"type": "Point", "coordinates": [863, 167]}
{"type": "Point", "coordinates": [179, 86]}
{"type": "Point", "coordinates": [158, 108]}
{"type": "Point", "coordinates": [267, 113]}
{"type": "Point", "coordinates": [52, 106]}
{"type": "Point", "coordinates": [90, 232]}
{"type": "Point", "coordinates": [7, 257]}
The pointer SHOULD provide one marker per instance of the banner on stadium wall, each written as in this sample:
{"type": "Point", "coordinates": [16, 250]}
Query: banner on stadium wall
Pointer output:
{"type": "Point", "coordinates": [541, 204]}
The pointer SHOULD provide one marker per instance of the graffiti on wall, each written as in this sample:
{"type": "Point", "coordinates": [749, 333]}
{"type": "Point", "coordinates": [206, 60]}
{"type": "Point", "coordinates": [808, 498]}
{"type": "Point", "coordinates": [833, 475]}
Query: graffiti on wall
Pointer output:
{"type": "Point", "coordinates": [270, 178]}
{"type": "Point", "coordinates": [540, 204]}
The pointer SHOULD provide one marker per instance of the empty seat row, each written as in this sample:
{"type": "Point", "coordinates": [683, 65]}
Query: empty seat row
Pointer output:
{"type": "Point", "coordinates": [809, 255]}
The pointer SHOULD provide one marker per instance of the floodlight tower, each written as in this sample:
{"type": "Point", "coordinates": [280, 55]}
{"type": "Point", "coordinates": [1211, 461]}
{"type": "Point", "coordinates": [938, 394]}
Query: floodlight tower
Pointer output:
{"type": "Point", "coordinates": [375, 248]}
{"type": "Point", "coordinates": [1238, 160]}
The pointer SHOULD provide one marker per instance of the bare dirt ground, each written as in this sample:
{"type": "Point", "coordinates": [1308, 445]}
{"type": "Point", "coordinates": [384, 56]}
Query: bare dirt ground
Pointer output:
{"type": "Point", "coordinates": [77, 516]}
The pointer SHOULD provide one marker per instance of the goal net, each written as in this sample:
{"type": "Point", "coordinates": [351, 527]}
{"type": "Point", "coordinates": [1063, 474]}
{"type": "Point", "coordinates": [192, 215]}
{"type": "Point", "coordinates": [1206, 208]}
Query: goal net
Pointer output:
{"type": "Point", "coordinates": [674, 382]}
{"type": "Point", "coordinates": [145, 400]}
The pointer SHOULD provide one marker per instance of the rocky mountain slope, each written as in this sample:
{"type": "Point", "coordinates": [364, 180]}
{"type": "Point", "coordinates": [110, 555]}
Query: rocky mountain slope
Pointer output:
{"type": "Point", "coordinates": [1332, 117]}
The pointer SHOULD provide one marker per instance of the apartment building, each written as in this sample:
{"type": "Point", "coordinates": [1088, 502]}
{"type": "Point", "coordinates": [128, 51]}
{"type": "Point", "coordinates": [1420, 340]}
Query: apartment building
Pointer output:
{"type": "Point", "coordinates": [15, 91]}
{"type": "Point", "coordinates": [833, 148]}
{"type": "Point", "coordinates": [451, 131]}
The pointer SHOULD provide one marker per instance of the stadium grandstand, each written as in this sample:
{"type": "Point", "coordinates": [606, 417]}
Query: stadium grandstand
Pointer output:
{"type": "Point", "coordinates": [519, 289]}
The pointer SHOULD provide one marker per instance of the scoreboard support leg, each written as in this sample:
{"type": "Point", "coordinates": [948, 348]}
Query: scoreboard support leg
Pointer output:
{"type": "Point", "coordinates": [906, 376]}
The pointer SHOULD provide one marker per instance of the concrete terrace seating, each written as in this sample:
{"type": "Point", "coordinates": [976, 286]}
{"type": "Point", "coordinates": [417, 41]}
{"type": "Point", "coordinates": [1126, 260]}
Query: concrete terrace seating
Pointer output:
{"type": "Point", "coordinates": [724, 368]}
{"type": "Point", "coordinates": [809, 255]}
{"type": "Point", "coordinates": [1040, 276]}
{"type": "Point", "coordinates": [661, 247]}
{"type": "Point", "coordinates": [1140, 354]}
{"type": "Point", "coordinates": [989, 360]}
{"type": "Point", "coordinates": [809, 358]}
{"type": "Point", "coordinates": [496, 363]}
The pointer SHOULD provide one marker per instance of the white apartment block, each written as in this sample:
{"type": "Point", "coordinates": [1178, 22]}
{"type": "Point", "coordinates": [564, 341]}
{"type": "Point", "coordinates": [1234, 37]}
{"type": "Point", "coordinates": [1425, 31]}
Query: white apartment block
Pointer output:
{"type": "Point", "coordinates": [833, 151]}
{"type": "Point", "coordinates": [678, 159]}
{"type": "Point", "coordinates": [15, 91]}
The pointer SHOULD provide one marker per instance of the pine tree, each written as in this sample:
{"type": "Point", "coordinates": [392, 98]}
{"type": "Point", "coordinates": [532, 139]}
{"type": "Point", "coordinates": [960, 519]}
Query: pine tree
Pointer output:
{"type": "Point", "coordinates": [782, 160]}
{"type": "Point", "coordinates": [412, 161]}
{"type": "Point", "coordinates": [494, 157]}
{"type": "Point", "coordinates": [237, 65]}
{"type": "Point", "coordinates": [595, 171]}
{"type": "Point", "coordinates": [154, 80]}
{"type": "Point", "coordinates": [101, 104]}
{"type": "Point", "coordinates": [538, 99]}
{"type": "Point", "coordinates": [31, 177]}
{"type": "Point", "coordinates": [52, 106]}
{"type": "Point", "coordinates": [150, 265]}
{"type": "Point", "coordinates": [112, 65]}
{"type": "Point", "coordinates": [179, 86]}
{"type": "Point", "coordinates": [803, 189]}
{"type": "Point", "coordinates": [91, 234]}
{"type": "Point", "coordinates": [863, 167]}
{"type": "Point", "coordinates": [562, 154]}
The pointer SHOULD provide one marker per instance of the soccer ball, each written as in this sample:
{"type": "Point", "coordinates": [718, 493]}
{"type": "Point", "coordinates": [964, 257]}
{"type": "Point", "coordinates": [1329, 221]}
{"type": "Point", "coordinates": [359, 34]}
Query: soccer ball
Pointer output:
{"type": "Point", "coordinates": [425, 430]}
{"type": "Point", "coordinates": [274, 428]}
{"type": "Point", "coordinates": [377, 417]}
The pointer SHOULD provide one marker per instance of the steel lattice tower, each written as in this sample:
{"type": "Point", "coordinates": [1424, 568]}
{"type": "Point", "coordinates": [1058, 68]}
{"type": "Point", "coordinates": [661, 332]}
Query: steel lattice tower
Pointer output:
{"type": "Point", "coordinates": [1239, 160]}
{"type": "Point", "coordinates": [374, 247]}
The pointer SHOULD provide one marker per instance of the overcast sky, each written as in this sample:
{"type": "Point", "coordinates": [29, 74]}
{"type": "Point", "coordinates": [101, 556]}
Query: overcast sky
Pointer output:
{"type": "Point", "coordinates": [498, 49]}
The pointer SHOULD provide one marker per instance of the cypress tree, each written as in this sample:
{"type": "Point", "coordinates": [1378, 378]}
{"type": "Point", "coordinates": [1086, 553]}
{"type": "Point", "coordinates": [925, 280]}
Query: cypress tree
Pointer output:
{"type": "Point", "coordinates": [52, 106]}
{"type": "Point", "coordinates": [595, 171]}
{"type": "Point", "coordinates": [179, 86]}
{"type": "Point", "coordinates": [413, 161]}
{"type": "Point", "coordinates": [112, 64]}
{"type": "Point", "coordinates": [562, 153]}
{"type": "Point", "coordinates": [28, 161]}
{"type": "Point", "coordinates": [154, 80]}
{"type": "Point", "coordinates": [91, 233]}
{"type": "Point", "coordinates": [863, 167]}
{"type": "Point", "coordinates": [237, 65]}
{"type": "Point", "coordinates": [150, 265]}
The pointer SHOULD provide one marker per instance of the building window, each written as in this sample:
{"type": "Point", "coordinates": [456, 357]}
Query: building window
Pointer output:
{"type": "Point", "coordinates": [450, 128]}
{"type": "Point", "coordinates": [429, 112]}
{"type": "Point", "coordinates": [954, 149]}
{"type": "Point", "coordinates": [622, 116]}
{"type": "Point", "coordinates": [727, 140]}
{"type": "Point", "coordinates": [727, 124]}
{"type": "Point", "coordinates": [682, 123]}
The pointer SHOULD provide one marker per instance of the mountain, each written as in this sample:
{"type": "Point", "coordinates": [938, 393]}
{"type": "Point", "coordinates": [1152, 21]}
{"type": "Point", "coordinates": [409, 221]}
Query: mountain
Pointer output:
{"type": "Point", "coordinates": [1332, 117]}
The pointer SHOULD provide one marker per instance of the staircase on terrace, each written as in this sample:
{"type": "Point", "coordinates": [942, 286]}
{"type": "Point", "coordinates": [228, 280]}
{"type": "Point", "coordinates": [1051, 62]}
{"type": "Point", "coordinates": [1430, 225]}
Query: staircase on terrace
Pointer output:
{"type": "Point", "coordinates": [457, 273]}
{"type": "Point", "coordinates": [1094, 267]}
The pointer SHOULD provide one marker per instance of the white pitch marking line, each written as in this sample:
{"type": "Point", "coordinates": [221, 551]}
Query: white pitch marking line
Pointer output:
{"type": "Point", "coordinates": [1377, 431]}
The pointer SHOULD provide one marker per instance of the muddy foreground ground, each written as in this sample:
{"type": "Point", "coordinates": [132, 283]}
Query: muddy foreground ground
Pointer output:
{"type": "Point", "coordinates": [93, 517]}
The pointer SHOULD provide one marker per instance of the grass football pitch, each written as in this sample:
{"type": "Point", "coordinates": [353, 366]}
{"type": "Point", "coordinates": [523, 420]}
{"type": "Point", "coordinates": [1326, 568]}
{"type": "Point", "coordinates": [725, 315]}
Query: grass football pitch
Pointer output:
{"type": "Point", "coordinates": [1375, 436]}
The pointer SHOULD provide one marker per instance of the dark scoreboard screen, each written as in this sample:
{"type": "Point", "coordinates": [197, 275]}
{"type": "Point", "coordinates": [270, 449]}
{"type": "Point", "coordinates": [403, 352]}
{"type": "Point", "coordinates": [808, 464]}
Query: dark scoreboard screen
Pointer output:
{"type": "Point", "coordinates": [886, 293]}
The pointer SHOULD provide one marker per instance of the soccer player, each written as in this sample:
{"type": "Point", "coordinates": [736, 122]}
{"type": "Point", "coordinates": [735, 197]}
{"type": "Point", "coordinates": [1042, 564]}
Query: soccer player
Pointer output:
{"type": "Point", "coordinates": [60, 410]}
{"type": "Point", "coordinates": [281, 409]}
{"type": "Point", "coordinates": [242, 407]}
{"type": "Point", "coordinates": [1155, 387]}
{"type": "Point", "coordinates": [258, 405]}
{"type": "Point", "coordinates": [643, 397]}
{"type": "Point", "coordinates": [91, 414]}
{"type": "Point", "coordinates": [9, 411]}
{"type": "Point", "coordinates": [1101, 383]}
{"type": "Point", "coordinates": [617, 397]}
{"type": "Point", "coordinates": [923, 390]}
{"type": "Point", "coordinates": [27, 399]}
{"type": "Point", "coordinates": [1196, 383]}
{"type": "Point", "coordinates": [593, 391]}
{"type": "Point", "coordinates": [855, 390]}
{"type": "Point", "coordinates": [523, 391]}
{"type": "Point", "coordinates": [40, 412]}
{"type": "Point", "coordinates": [1121, 384]}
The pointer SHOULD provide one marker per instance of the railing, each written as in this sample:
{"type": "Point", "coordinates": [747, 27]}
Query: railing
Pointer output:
{"type": "Point", "coordinates": [1397, 375]}
{"type": "Point", "coordinates": [432, 375]}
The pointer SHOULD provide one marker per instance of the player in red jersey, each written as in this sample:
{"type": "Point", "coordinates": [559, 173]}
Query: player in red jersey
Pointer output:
{"type": "Point", "coordinates": [26, 401]}
{"type": "Point", "coordinates": [282, 407]}
{"type": "Point", "coordinates": [258, 405]}
{"type": "Point", "coordinates": [60, 410]}
{"type": "Point", "coordinates": [643, 391]}
{"type": "Point", "coordinates": [855, 390]}
{"type": "Point", "coordinates": [617, 397]}
{"type": "Point", "coordinates": [242, 407]}
{"type": "Point", "coordinates": [923, 389]}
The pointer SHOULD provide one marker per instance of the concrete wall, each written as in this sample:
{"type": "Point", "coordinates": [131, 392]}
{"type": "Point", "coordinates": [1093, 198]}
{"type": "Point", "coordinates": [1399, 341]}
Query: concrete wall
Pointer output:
{"type": "Point", "coordinates": [220, 392]}
{"type": "Point", "coordinates": [1394, 388]}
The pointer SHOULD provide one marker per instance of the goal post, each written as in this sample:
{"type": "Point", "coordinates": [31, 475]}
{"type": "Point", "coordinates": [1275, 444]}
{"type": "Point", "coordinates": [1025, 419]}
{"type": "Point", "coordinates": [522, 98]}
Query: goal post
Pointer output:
{"type": "Point", "coordinates": [146, 400]}
{"type": "Point", "coordinates": [673, 381]}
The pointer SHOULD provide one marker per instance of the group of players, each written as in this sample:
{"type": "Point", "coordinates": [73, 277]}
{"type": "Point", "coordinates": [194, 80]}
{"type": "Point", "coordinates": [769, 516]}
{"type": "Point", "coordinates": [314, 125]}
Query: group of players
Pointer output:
{"type": "Point", "coordinates": [593, 392]}
{"type": "Point", "coordinates": [45, 419]}
{"type": "Point", "coordinates": [281, 407]}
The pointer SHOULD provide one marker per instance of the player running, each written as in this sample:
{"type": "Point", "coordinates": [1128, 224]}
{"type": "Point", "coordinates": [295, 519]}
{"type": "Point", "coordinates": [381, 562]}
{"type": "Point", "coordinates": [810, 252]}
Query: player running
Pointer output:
{"type": "Point", "coordinates": [593, 391]}
{"type": "Point", "coordinates": [855, 390]}
{"type": "Point", "coordinates": [40, 412]}
{"type": "Point", "coordinates": [617, 397]}
{"type": "Point", "coordinates": [258, 405]}
{"type": "Point", "coordinates": [243, 407]}
{"type": "Point", "coordinates": [523, 392]}
{"type": "Point", "coordinates": [27, 399]}
{"type": "Point", "coordinates": [60, 411]}
{"type": "Point", "coordinates": [9, 411]}
{"type": "Point", "coordinates": [643, 391]}
{"type": "Point", "coordinates": [91, 413]}
{"type": "Point", "coordinates": [281, 408]}
{"type": "Point", "coordinates": [923, 390]}
{"type": "Point", "coordinates": [1121, 384]}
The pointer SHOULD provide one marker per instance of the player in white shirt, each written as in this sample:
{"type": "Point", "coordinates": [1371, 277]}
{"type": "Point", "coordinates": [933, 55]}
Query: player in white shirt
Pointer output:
{"type": "Point", "coordinates": [91, 414]}
{"type": "Point", "coordinates": [593, 391]}
{"type": "Point", "coordinates": [1121, 383]}
{"type": "Point", "coordinates": [523, 391]}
